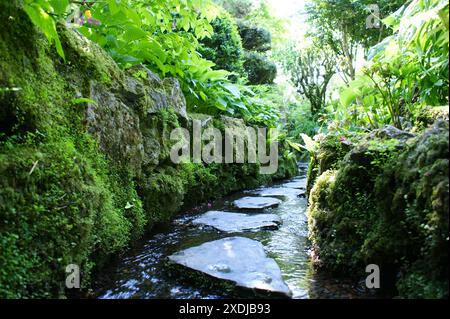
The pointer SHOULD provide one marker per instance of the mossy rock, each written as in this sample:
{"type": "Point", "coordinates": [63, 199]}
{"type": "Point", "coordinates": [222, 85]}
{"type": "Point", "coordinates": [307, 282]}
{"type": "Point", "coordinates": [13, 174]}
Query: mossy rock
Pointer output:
{"type": "Point", "coordinates": [330, 150]}
{"type": "Point", "coordinates": [429, 115]}
{"type": "Point", "coordinates": [387, 204]}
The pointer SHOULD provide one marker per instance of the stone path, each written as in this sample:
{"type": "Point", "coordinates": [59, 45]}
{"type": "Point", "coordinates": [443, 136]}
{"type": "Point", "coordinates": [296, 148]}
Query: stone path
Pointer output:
{"type": "Point", "coordinates": [241, 260]}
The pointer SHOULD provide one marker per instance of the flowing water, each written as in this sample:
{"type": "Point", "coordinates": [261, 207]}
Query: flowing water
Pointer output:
{"type": "Point", "coordinates": [143, 272]}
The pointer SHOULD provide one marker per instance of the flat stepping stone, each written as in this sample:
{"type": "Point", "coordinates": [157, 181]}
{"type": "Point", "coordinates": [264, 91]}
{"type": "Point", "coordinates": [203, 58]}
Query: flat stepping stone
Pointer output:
{"type": "Point", "coordinates": [280, 192]}
{"type": "Point", "coordinates": [238, 260]}
{"type": "Point", "coordinates": [301, 184]}
{"type": "Point", "coordinates": [256, 202]}
{"type": "Point", "coordinates": [303, 165]}
{"type": "Point", "coordinates": [237, 222]}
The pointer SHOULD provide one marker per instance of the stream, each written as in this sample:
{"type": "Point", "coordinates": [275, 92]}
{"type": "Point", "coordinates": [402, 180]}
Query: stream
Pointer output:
{"type": "Point", "coordinates": [143, 273]}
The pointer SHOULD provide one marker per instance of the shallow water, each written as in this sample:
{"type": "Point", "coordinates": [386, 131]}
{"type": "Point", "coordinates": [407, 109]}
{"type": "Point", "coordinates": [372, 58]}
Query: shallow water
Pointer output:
{"type": "Point", "coordinates": [142, 272]}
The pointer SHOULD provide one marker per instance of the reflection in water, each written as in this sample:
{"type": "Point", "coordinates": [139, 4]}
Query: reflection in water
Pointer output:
{"type": "Point", "coordinates": [143, 273]}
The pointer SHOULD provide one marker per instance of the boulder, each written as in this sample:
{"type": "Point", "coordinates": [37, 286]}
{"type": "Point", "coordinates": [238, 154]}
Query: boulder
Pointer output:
{"type": "Point", "coordinates": [115, 126]}
{"type": "Point", "coordinates": [155, 93]}
{"type": "Point", "coordinates": [429, 115]}
{"type": "Point", "coordinates": [387, 203]}
{"type": "Point", "coordinates": [390, 132]}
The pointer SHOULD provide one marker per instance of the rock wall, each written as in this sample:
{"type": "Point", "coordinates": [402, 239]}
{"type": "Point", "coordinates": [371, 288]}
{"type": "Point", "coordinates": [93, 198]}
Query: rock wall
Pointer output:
{"type": "Point", "coordinates": [84, 158]}
{"type": "Point", "coordinates": [386, 202]}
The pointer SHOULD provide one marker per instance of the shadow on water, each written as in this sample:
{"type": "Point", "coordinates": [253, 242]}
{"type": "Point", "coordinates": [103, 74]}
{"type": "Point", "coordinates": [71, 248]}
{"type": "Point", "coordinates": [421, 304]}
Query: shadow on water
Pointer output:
{"type": "Point", "coordinates": [143, 272]}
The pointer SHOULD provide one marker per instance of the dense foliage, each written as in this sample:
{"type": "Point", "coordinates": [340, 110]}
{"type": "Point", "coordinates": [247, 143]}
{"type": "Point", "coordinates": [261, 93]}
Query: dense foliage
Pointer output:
{"type": "Point", "coordinates": [407, 70]}
{"type": "Point", "coordinates": [310, 70]}
{"type": "Point", "coordinates": [256, 28]}
{"type": "Point", "coordinates": [254, 38]}
{"type": "Point", "coordinates": [344, 25]}
{"type": "Point", "coordinates": [163, 36]}
{"type": "Point", "coordinates": [260, 70]}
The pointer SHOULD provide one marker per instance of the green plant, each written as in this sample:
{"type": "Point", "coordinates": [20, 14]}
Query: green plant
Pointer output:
{"type": "Point", "coordinates": [382, 152]}
{"type": "Point", "coordinates": [311, 70]}
{"type": "Point", "coordinates": [44, 14]}
{"type": "Point", "coordinates": [407, 70]}
{"type": "Point", "coordinates": [254, 37]}
{"type": "Point", "coordinates": [166, 39]}
{"type": "Point", "coordinates": [416, 56]}
{"type": "Point", "coordinates": [163, 35]}
{"type": "Point", "coordinates": [259, 69]}
{"type": "Point", "coordinates": [237, 8]}
{"type": "Point", "coordinates": [341, 26]}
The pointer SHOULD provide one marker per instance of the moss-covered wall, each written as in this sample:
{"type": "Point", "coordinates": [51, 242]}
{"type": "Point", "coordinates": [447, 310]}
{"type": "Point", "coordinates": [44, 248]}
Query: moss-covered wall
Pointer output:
{"type": "Point", "coordinates": [80, 181]}
{"type": "Point", "coordinates": [386, 203]}
{"type": "Point", "coordinates": [330, 150]}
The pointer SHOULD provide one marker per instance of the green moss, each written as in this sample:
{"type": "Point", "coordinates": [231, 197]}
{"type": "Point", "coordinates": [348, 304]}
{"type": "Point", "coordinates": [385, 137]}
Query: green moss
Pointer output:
{"type": "Point", "coordinates": [61, 200]}
{"type": "Point", "coordinates": [423, 194]}
{"type": "Point", "coordinates": [87, 60]}
{"type": "Point", "coordinates": [57, 208]}
{"type": "Point", "coordinates": [201, 183]}
{"type": "Point", "coordinates": [428, 115]}
{"type": "Point", "coordinates": [161, 125]}
{"type": "Point", "coordinates": [163, 193]}
{"type": "Point", "coordinates": [287, 167]}
{"type": "Point", "coordinates": [330, 150]}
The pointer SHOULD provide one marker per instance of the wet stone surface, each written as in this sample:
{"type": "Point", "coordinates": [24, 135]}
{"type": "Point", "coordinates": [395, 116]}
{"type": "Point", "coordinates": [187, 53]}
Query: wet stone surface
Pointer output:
{"type": "Point", "coordinates": [252, 203]}
{"type": "Point", "coordinates": [280, 192]}
{"type": "Point", "coordinates": [236, 222]}
{"type": "Point", "coordinates": [240, 260]}
{"type": "Point", "coordinates": [296, 184]}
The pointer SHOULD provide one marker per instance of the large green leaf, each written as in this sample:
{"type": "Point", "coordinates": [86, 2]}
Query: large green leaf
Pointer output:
{"type": "Point", "coordinates": [46, 24]}
{"type": "Point", "coordinates": [59, 6]}
{"type": "Point", "coordinates": [133, 33]}
{"type": "Point", "coordinates": [348, 96]}
{"type": "Point", "coordinates": [233, 89]}
{"type": "Point", "coordinates": [221, 104]}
